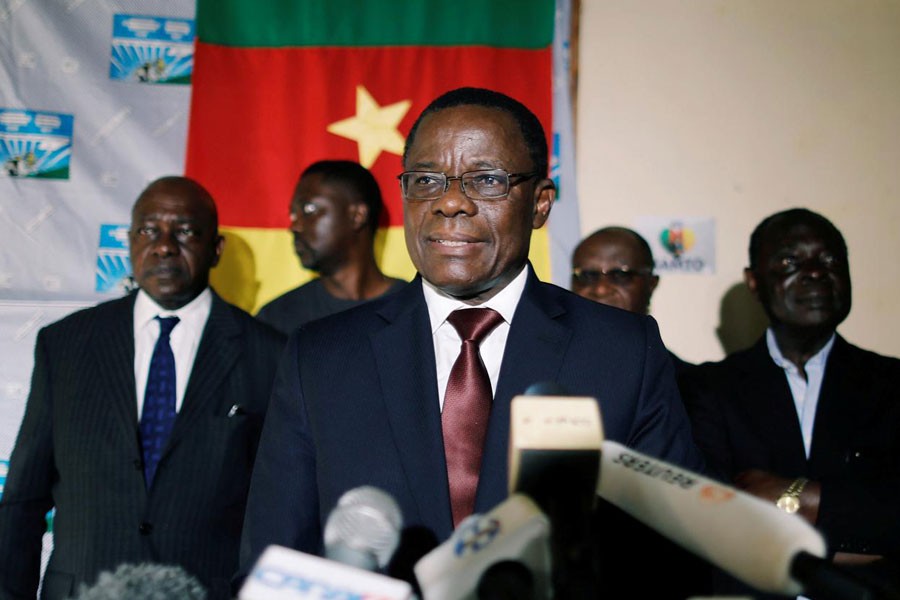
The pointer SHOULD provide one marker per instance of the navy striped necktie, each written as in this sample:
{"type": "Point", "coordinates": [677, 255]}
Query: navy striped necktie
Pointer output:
{"type": "Point", "coordinates": [158, 415]}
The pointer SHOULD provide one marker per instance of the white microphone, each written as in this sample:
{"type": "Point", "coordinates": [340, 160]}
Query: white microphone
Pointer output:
{"type": "Point", "coordinates": [515, 531]}
{"type": "Point", "coordinates": [286, 574]}
{"type": "Point", "coordinates": [363, 530]}
{"type": "Point", "coordinates": [746, 536]}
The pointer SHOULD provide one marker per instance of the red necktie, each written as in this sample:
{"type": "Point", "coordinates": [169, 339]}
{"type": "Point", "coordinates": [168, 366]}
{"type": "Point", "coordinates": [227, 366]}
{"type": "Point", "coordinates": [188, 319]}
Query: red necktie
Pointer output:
{"type": "Point", "coordinates": [467, 406]}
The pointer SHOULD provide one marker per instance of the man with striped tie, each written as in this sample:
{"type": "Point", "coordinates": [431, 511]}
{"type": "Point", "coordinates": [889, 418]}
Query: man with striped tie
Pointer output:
{"type": "Point", "coordinates": [143, 418]}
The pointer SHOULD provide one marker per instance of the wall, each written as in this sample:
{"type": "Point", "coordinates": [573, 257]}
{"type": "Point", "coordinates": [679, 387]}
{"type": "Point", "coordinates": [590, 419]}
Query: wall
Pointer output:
{"type": "Point", "coordinates": [736, 109]}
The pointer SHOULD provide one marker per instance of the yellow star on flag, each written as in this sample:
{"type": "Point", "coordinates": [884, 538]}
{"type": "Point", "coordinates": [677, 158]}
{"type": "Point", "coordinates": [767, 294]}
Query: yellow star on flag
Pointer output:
{"type": "Point", "coordinates": [373, 128]}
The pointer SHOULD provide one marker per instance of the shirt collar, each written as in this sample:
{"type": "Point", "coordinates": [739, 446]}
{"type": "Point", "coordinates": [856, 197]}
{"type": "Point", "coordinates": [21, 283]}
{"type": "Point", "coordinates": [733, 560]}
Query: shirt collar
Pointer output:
{"type": "Point", "coordinates": [816, 360]}
{"type": "Point", "coordinates": [195, 311]}
{"type": "Point", "coordinates": [440, 304]}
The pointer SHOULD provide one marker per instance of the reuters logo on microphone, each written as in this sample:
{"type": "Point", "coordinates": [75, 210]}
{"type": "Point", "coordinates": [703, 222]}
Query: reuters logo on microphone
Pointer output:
{"type": "Point", "coordinates": [715, 494]}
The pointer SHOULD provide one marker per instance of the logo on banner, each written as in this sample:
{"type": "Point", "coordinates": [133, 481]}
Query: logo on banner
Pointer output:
{"type": "Point", "coordinates": [4, 469]}
{"type": "Point", "coordinates": [152, 49]}
{"type": "Point", "coordinates": [681, 245]}
{"type": "Point", "coordinates": [113, 261]}
{"type": "Point", "coordinates": [677, 239]}
{"type": "Point", "coordinates": [35, 143]}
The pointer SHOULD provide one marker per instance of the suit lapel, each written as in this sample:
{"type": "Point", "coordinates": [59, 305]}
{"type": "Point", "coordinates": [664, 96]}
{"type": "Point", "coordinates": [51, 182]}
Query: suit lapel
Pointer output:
{"type": "Point", "coordinates": [835, 411]}
{"type": "Point", "coordinates": [534, 353]}
{"type": "Point", "coordinates": [218, 351]}
{"type": "Point", "coordinates": [769, 405]}
{"type": "Point", "coordinates": [113, 346]}
{"type": "Point", "coordinates": [409, 390]}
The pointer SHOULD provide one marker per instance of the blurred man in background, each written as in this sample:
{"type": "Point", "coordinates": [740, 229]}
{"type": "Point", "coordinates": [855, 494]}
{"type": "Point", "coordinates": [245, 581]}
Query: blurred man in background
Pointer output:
{"type": "Point", "coordinates": [334, 217]}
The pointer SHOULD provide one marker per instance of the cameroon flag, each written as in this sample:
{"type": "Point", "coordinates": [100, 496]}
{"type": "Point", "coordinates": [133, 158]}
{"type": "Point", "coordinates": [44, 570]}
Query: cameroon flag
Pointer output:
{"type": "Point", "coordinates": [280, 84]}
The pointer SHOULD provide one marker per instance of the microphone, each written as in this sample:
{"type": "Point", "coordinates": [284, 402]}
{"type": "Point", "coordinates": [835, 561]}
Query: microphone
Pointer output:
{"type": "Point", "coordinates": [286, 574]}
{"type": "Point", "coordinates": [490, 550]}
{"type": "Point", "coordinates": [555, 459]}
{"type": "Point", "coordinates": [363, 530]}
{"type": "Point", "coordinates": [144, 581]}
{"type": "Point", "coordinates": [415, 542]}
{"type": "Point", "coordinates": [744, 535]}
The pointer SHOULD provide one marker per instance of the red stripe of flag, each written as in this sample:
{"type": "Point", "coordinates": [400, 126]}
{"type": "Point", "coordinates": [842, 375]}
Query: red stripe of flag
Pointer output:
{"type": "Point", "coordinates": [259, 115]}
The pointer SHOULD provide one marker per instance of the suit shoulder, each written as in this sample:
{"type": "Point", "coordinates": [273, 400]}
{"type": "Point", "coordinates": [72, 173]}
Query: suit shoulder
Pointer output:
{"type": "Point", "coordinates": [254, 326]}
{"type": "Point", "coordinates": [870, 361]}
{"type": "Point", "coordinates": [86, 319]}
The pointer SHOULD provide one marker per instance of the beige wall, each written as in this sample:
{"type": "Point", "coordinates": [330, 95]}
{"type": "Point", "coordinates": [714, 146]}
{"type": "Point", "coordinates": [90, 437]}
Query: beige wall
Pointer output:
{"type": "Point", "coordinates": [736, 109]}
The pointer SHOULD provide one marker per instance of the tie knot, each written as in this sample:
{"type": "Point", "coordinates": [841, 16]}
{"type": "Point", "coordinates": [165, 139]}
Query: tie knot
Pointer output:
{"type": "Point", "coordinates": [166, 325]}
{"type": "Point", "coordinates": [473, 324]}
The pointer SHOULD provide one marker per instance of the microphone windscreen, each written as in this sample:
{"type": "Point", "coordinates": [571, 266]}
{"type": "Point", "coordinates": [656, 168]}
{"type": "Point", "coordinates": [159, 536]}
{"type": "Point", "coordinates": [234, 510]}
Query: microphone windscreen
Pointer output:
{"type": "Point", "coordinates": [363, 529]}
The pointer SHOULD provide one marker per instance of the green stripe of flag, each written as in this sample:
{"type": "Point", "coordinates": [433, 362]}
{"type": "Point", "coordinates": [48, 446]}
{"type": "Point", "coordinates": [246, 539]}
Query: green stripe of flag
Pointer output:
{"type": "Point", "coordinates": [279, 23]}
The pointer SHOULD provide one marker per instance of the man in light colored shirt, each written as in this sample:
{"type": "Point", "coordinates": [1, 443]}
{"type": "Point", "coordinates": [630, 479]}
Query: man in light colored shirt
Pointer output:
{"type": "Point", "coordinates": [144, 445]}
{"type": "Point", "coordinates": [804, 419]}
{"type": "Point", "coordinates": [360, 396]}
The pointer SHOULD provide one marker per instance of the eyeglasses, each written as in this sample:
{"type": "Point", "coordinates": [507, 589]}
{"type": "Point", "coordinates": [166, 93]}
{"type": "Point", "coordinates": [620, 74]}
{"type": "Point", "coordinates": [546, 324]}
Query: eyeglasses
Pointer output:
{"type": "Point", "coordinates": [620, 276]}
{"type": "Point", "coordinates": [489, 184]}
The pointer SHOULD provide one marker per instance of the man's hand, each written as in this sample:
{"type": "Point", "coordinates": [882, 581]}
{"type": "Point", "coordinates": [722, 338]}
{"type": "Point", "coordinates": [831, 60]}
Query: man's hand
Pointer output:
{"type": "Point", "coordinates": [770, 487]}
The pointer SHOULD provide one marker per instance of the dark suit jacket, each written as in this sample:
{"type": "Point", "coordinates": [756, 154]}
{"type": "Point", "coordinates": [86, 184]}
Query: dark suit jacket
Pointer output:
{"type": "Point", "coordinates": [356, 402]}
{"type": "Point", "coordinates": [78, 450]}
{"type": "Point", "coordinates": [743, 417]}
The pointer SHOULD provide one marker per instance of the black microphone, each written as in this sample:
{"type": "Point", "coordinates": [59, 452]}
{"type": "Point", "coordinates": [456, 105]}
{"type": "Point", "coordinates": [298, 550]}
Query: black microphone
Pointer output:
{"type": "Point", "coordinates": [415, 542]}
{"type": "Point", "coordinates": [555, 460]}
{"type": "Point", "coordinates": [506, 580]}
{"type": "Point", "coordinates": [823, 580]}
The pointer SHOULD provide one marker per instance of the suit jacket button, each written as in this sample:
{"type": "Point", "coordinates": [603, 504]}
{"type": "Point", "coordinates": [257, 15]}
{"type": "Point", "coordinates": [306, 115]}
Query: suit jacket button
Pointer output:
{"type": "Point", "coordinates": [145, 528]}
{"type": "Point", "coordinates": [138, 464]}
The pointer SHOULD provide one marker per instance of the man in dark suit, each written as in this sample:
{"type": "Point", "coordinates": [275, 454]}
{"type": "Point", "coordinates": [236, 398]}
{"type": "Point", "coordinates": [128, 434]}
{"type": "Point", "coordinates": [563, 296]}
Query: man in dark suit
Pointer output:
{"type": "Point", "coordinates": [804, 419]}
{"type": "Point", "coordinates": [614, 266]}
{"type": "Point", "coordinates": [363, 397]}
{"type": "Point", "coordinates": [142, 465]}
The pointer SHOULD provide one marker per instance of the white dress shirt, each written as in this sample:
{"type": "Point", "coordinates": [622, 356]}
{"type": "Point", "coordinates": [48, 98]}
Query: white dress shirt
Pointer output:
{"type": "Point", "coordinates": [805, 391]}
{"type": "Point", "coordinates": [447, 343]}
{"type": "Point", "coordinates": [184, 339]}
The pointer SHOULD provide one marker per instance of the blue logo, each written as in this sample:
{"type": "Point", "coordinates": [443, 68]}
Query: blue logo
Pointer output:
{"type": "Point", "coordinates": [152, 49]}
{"type": "Point", "coordinates": [4, 469]}
{"type": "Point", "coordinates": [35, 143]}
{"type": "Point", "coordinates": [476, 535]}
{"type": "Point", "coordinates": [113, 262]}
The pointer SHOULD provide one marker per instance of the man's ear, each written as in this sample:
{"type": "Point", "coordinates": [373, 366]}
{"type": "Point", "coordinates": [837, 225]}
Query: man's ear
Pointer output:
{"type": "Point", "coordinates": [220, 245]}
{"type": "Point", "coordinates": [752, 282]}
{"type": "Point", "coordinates": [654, 281]}
{"type": "Point", "coordinates": [359, 215]}
{"type": "Point", "coordinates": [544, 197]}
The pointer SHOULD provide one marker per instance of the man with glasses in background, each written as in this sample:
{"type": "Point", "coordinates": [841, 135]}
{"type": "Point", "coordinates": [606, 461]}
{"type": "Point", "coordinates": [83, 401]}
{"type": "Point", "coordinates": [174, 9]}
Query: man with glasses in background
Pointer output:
{"type": "Point", "coordinates": [614, 266]}
{"type": "Point", "coordinates": [373, 396]}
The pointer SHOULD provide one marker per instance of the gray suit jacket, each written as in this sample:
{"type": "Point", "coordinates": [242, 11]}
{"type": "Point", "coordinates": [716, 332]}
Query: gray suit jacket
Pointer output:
{"type": "Point", "coordinates": [78, 450]}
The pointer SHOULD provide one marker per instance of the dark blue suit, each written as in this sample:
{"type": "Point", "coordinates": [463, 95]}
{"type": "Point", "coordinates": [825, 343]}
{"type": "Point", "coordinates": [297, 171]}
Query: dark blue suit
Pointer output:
{"type": "Point", "coordinates": [79, 450]}
{"type": "Point", "coordinates": [356, 402]}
